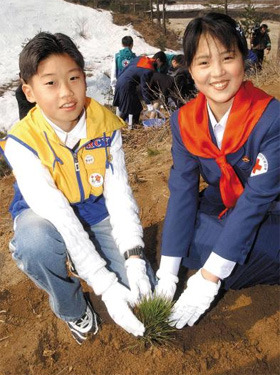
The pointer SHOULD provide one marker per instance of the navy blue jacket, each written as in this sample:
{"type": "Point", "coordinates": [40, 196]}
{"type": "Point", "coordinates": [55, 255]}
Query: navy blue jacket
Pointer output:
{"type": "Point", "coordinates": [126, 96]}
{"type": "Point", "coordinates": [260, 195]}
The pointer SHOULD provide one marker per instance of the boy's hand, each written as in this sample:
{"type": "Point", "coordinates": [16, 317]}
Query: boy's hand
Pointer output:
{"type": "Point", "coordinates": [117, 299]}
{"type": "Point", "coordinates": [194, 301]}
{"type": "Point", "coordinates": [137, 277]}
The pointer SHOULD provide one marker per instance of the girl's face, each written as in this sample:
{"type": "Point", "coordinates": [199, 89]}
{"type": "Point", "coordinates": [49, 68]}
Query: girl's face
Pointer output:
{"type": "Point", "coordinates": [217, 73]}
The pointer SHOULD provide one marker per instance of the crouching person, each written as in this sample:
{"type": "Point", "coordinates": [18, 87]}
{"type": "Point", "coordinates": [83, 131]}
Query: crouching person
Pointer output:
{"type": "Point", "coordinates": [72, 196]}
{"type": "Point", "coordinates": [229, 134]}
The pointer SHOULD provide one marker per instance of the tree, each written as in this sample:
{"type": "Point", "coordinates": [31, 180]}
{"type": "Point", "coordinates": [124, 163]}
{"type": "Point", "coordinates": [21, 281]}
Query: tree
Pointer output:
{"type": "Point", "coordinates": [151, 10]}
{"type": "Point", "coordinates": [158, 12]}
{"type": "Point", "coordinates": [250, 18]}
{"type": "Point", "coordinates": [219, 5]}
{"type": "Point", "coordinates": [164, 17]}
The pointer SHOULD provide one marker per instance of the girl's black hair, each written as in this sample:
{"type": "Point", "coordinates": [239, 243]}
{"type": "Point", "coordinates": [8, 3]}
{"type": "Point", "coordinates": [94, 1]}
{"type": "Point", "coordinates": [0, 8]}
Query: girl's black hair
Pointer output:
{"type": "Point", "coordinates": [219, 26]}
{"type": "Point", "coordinates": [41, 47]}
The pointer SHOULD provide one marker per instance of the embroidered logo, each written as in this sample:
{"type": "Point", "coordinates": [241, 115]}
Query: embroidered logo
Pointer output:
{"type": "Point", "coordinates": [261, 165]}
{"type": "Point", "coordinates": [95, 179]}
{"type": "Point", "coordinates": [98, 142]}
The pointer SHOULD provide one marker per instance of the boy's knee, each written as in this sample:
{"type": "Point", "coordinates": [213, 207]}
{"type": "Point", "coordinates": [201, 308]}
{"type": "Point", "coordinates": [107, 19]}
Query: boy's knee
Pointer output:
{"type": "Point", "coordinates": [38, 241]}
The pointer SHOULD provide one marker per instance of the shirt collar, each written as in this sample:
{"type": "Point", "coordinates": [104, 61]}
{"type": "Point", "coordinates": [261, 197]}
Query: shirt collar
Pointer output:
{"type": "Point", "coordinates": [72, 137]}
{"type": "Point", "coordinates": [213, 120]}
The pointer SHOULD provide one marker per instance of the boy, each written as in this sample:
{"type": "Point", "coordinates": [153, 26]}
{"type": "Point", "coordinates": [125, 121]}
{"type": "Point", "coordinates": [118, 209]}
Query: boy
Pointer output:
{"type": "Point", "coordinates": [72, 185]}
{"type": "Point", "coordinates": [122, 60]}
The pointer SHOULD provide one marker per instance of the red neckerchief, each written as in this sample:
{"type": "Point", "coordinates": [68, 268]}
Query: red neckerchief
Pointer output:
{"type": "Point", "coordinates": [146, 63]}
{"type": "Point", "coordinates": [248, 106]}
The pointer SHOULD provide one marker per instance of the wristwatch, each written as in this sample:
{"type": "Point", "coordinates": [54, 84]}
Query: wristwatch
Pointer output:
{"type": "Point", "coordinates": [138, 250]}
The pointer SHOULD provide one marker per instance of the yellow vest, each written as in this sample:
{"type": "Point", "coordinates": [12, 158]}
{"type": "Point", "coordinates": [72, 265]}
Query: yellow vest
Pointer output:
{"type": "Point", "coordinates": [77, 174]}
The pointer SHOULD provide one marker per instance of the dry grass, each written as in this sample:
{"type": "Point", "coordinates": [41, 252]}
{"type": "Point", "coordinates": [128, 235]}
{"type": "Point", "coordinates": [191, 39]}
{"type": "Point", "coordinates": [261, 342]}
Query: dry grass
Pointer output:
{"type": "Point", "coordinates": [151, 31]}
{"type": "Point", "coordinates": [270, 74]}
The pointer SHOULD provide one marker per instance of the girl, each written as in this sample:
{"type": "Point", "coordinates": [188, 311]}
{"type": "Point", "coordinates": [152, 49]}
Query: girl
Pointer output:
{"type": "Point", "coordinates": [230, 135]}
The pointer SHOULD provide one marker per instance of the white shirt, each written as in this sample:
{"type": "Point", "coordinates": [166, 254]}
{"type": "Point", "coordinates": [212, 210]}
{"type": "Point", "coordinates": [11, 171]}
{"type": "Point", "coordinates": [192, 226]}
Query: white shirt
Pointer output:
{"type": "Point", "coordinates": [218, 127]}
{"type": "Point", "coordinates": [70, 139]}
{"type": "Point", "coordinates": [41, 194]}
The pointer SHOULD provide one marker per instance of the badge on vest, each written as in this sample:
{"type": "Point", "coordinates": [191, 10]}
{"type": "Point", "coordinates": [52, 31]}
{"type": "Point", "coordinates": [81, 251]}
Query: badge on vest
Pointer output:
{"type": "Point", "coordinates": [261, 165]}
{"type": "Point", "coordinates": [125, 63]}
{"type": "Point", "coordinates": [89, 159]}
{"type": "Point", "coordinates": [96, 180]}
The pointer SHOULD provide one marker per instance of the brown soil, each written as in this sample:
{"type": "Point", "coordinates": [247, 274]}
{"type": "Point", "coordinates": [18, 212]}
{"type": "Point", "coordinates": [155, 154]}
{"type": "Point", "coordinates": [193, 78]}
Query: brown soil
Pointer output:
{"type": "Point", "coordinates": [239, 336]}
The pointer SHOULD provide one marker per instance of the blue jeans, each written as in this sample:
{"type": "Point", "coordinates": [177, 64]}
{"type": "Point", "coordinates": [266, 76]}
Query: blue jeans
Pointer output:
{"type": "Point", "coordinates": [40, 252]}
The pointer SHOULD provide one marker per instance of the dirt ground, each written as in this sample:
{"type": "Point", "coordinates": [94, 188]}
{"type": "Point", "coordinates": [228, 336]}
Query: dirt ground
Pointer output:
{"type": "Point", "coordinates": [239, 336]}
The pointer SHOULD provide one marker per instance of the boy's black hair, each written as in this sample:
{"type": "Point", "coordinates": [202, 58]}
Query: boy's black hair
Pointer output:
{"type": "Point", "coordinates": [217, 25]}
{"type": "Point", "coordinates": [161, 56]}
{"type": "Point", "coordinates": [180, 59]}
{"type": "Point", "coordinates": [127, 41]}
{"type": "Point", "coordinates": [41, 47]}
{"type": "Point", "coordinates": [264, 25]}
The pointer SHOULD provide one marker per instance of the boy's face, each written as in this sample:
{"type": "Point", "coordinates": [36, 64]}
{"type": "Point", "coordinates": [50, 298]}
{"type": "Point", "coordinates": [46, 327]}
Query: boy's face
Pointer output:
{"type": "Point", "coordinates": [59, 89]}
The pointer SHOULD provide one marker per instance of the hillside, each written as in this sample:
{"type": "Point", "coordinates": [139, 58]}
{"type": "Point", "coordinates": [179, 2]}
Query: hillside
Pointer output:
{"type": "Point", "coordinates": [239, 336]}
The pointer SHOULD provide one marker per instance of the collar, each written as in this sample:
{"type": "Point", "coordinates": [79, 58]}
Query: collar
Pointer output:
{"type": "Point", "coordinates": [213, 120]}
{"type": "Point", "coordinates": [71, 138]}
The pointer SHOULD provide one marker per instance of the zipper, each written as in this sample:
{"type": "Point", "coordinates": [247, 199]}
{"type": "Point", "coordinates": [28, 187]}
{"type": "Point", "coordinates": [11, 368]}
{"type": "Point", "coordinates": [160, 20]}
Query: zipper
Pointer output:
{"type": "Point", "coordinates": [78, 175]}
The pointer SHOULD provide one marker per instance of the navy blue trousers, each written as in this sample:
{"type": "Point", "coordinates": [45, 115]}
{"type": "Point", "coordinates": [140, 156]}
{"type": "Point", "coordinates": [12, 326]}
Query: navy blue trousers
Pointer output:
{"type": "Point", "coordinates": [262, 263]}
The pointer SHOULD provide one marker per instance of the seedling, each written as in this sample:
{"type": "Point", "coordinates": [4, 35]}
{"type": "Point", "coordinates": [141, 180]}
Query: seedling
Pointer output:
{"type": "Point", "coordinates": [154, 313]}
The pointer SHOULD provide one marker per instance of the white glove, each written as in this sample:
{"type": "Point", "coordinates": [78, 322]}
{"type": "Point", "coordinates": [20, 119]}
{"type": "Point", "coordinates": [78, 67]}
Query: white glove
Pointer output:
{"type": "Point", "coordinates": [166, 286]}
{"type": "Point", "coordinates": [150, 107]}
{"type": "Point", "coordinates": [137, 277]}
{"type": "Point", "coordinates": [117, 299]}
{"type": "Point", "coordinates": [194, 301]}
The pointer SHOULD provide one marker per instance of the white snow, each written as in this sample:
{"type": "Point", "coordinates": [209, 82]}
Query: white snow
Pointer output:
{"type": "Point", "coordinates": [23, 19]}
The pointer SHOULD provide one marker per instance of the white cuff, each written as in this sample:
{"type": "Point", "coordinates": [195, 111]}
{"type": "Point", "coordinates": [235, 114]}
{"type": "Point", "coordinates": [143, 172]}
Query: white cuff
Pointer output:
{"type": "Point", "coordinates": [219, 266]}
{"type": "Point", "coordinates": [169, 265]}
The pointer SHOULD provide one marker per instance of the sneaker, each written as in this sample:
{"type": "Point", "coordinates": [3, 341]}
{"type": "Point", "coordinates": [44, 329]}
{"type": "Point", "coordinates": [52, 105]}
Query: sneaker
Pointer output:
{"type": "Point", "coordinates": [88, 323]}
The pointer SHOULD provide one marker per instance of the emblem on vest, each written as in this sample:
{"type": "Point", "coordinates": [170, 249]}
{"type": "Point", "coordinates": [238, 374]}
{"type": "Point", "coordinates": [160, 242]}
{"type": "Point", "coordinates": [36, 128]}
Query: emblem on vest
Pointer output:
{"type": "Point", "coordinates": [96, 180]}
{"type": "Point", "coordinates": [98, 143]}
{"type": "Point", "coordinates": [261, 165]}
{"type": "Point", "coordinates": [89, 159]}
{"type": "Point", "coordinates": [125, 63]}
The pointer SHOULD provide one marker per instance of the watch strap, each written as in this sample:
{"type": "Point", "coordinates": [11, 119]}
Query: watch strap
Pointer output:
{"type": "Point", "coordinates": [135, 251]}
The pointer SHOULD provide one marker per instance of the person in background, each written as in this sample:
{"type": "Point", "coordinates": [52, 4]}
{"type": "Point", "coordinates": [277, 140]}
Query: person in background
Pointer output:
{"type": "Point", "coordinates": [138, 73]}
{"type": "Point", "coordinates": [161, 83]}
{"type": "Point", "coordinates": [230, 135]}
{"type": "Point", "coordinates": [122, 60]}
{"type": "Point", "coordinates": [260, 42]}
{"type": "Point", "coordinates": [24, 105]}
{"type": "Point", "coordinates": [163, 61]}
{"type": "Point", "coordinates": [183, 87]}
{"type": "Point", "coordinates": [72, 197]}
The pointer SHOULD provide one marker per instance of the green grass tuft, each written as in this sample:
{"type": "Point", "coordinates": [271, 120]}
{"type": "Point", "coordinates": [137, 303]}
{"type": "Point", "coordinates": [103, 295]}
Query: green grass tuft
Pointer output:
{"type": "Point", "coordinates": [154, 312]}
